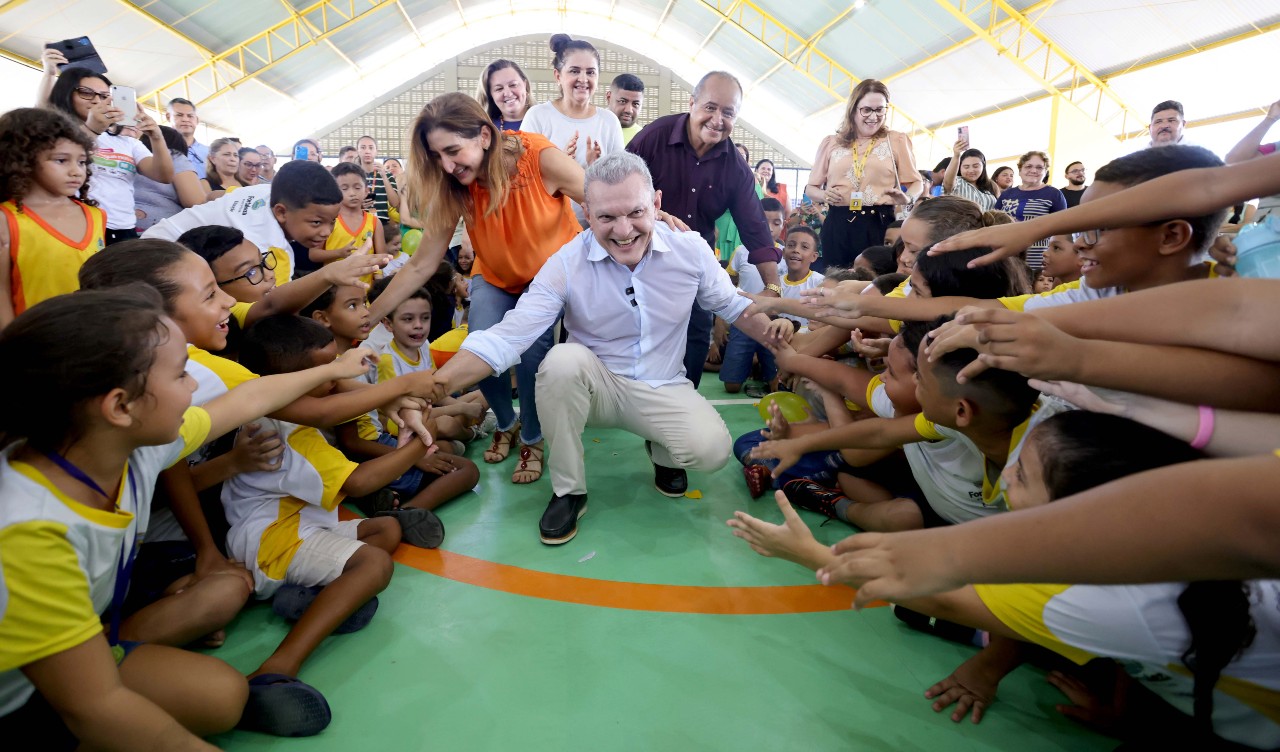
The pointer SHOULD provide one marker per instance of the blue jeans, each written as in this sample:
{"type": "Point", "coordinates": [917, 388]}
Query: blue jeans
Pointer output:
{"type": "Point", "coordinates": [739, 349]}
{"type": "Point", "coordinates": [819, 467]}
{"type": "Point", "coordinates": [697, 343]}
{"type": "Point", "coordinates": [488, 305]}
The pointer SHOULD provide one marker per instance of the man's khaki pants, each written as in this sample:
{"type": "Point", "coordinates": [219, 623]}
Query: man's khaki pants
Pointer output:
{"type": "Point", "coordinates": [576, 390]}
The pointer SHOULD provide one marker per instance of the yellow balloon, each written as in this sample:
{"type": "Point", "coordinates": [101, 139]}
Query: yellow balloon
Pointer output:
{"type": "Point", "coordinates": [793, 406]}
{"type": "Point", "coordinates": [410, 239]}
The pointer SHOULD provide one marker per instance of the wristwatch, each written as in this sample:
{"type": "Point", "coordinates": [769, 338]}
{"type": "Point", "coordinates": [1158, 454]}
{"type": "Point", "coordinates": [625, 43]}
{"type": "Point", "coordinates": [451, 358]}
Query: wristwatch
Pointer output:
{"type": "Point", "coordinates": [775, 289]}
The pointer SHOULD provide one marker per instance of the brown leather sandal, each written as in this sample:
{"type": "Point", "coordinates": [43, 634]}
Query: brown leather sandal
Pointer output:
{"type": "Point", "coordinates": [500, 446]}
{"type": "Point", "coordinates": [530, 454]}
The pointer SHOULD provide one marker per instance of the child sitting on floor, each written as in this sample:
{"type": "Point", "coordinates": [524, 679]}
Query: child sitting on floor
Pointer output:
{"type": "Point", "coordinates": [322, 573]}
{"type": "Point", "coordinates": [76, 478]}
{"type": "Point", "coordinates": [1224, 679]}
{"type": "Point", "coordinates": [740, 351]}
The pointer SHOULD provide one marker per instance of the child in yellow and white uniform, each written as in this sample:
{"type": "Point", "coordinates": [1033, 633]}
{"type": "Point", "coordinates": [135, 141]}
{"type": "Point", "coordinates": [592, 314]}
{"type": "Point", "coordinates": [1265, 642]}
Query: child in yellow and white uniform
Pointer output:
{"type": "Point", "coordinates": [800, 251]}
{"type": "Point", "coordinates": [284, 523]}
{"type": "Point", "coordinates": [59, 559]}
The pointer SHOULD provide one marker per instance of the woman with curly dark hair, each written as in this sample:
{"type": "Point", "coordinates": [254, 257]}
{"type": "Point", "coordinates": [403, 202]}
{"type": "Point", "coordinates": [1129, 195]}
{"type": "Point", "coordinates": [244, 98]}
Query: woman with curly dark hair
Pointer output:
{"type": "Point", "coordinates": [117, 157]}
{"type": "Point", "coordinates": [50, 225]}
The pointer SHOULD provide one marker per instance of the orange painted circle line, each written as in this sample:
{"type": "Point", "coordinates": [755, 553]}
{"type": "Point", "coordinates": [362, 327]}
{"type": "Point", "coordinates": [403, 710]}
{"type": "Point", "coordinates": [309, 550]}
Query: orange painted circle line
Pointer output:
{"type": "Point", "coordinates": [636, 596]}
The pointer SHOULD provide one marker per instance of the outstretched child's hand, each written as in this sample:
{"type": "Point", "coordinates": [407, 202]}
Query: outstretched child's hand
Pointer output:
{"type": "Point", "coordinates": [786, 452]}
{"type": "Point", "coordinates": [869, 348]}
{"type": "Point", "coordinates": [792, 540]}
{"type": "Point", "coordinates": [778, 427]}
{"type": "Point", "coordinates": [1004, 241]}
{"type": "Point", "coordinates": [890, 566]}
{"type": "Point", "coordinates": [438, 463]}
{"type": "Point", "coordinates": [354, 362]}
{"type": "Point", "coordinates": [968, 688]}
{"type": "Point", "coordinates": [766, 304]}
{"type": "Point", "coordinates": [1084, 397]}
{"type": "Point", "coordinates": [1013, 341]}
{"type": "Point", "coordinates": [828, 302]}
{"type": "Point", "coordinates": [412, 423]}
{"type": "Point", "coordinates": [780, 331]}
{"type": "Point", "coordinates": [1086, 707]}
{"type": "Point", "coordinates": [351, 270]}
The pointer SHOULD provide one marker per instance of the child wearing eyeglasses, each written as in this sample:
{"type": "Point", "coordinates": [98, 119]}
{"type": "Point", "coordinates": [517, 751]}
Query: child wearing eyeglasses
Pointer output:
{"type": "Point", "coordinates": [247, 274]}
{"type": "Point", "coordinates": [50, 224]}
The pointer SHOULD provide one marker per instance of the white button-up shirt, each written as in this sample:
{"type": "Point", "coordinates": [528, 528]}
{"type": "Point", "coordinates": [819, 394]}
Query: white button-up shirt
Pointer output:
{"type": "Point", "coordinates": [634, 321]}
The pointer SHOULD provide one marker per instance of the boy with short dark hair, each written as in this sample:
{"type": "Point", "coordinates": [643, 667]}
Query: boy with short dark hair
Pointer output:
{"type": "Point", "coordinates": [286, 218]}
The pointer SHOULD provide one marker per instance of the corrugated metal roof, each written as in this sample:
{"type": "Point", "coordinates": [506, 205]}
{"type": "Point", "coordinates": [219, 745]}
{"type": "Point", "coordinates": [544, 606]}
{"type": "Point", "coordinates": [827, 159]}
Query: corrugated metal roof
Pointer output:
{"type": "Point", "coordinates": [880, 40]}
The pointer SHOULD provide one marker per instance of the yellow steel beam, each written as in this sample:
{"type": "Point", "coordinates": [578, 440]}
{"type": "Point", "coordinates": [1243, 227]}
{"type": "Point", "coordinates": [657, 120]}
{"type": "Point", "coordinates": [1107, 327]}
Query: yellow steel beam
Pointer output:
{"type": "Point", "coordinates": [1045, 62]}
{"type": "Point", "coordinates": [312, 31]}
{"type": "Point", "coordinates": [22, 59]}
{"type": "Point", "coordinates": [262, 52]}
{"type": "Point", "coordinates": [204, 52]}
{"type": "Point", "coordinates": [1034, 10]}
{"type": "Point", "coordinates": [808, 44]}
{"type": "Point", "coordinates": [813, 63]}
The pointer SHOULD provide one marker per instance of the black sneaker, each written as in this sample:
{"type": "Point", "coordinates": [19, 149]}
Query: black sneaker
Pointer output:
{"type": "Point", "coordinates": [560, 522]}
{"type": "Point", "coordinates": [670, 481]}
{"type": "Point", "coordinates": [947, 630]}
{"type": "Point", "coordinates": [809, 495]}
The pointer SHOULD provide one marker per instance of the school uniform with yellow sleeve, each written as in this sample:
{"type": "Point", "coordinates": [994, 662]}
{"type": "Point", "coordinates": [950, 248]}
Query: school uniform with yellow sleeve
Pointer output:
{"type": "Point", "coordinates": [284, 522]}
{"type": "Point", "coordinates": [61, 561]}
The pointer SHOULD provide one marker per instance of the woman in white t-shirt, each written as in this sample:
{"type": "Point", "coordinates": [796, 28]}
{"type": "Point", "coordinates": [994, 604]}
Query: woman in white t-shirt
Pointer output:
{"type": "Point", "coordinates": [86, 96]}
{"type": "Point", "coordinates": [571, 122]}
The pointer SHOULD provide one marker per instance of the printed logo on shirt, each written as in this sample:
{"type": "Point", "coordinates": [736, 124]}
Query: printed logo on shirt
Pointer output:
{"type": "Point", "coordinates": [258, 204]}
{"type": "Point", "coordinates": [112, 160]}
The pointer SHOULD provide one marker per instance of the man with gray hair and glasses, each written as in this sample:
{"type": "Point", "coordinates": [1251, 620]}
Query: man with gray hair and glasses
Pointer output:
{"type": "Point", "coordinates": [625, 287]}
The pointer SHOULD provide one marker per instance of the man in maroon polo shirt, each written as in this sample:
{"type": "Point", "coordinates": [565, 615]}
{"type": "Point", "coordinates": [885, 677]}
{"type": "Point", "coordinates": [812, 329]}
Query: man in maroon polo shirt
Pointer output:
{"type": "Point", "coordinates": [700, 176]}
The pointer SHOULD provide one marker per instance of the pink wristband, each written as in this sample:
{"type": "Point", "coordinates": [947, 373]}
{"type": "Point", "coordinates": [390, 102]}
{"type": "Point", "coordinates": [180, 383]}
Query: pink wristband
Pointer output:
{"type": "Point", "coordinates": [1205, 433]}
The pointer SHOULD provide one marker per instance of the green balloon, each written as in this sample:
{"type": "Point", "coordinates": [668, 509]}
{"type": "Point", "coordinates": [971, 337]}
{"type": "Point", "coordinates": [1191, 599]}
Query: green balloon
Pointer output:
{"type": "Point", "coordinates": [409, 240]}
{"type": "Point", "coordinates": [793, 406]}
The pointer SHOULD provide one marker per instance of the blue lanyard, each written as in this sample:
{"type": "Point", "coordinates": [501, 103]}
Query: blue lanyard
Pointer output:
{"type": "Point", "coordinates": [128, 549]}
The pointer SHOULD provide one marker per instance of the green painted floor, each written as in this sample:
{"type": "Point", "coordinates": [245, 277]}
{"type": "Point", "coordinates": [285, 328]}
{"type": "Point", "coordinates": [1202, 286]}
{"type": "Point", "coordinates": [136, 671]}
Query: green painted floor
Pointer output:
{"type": "Point", "coordinates": [450, 666]}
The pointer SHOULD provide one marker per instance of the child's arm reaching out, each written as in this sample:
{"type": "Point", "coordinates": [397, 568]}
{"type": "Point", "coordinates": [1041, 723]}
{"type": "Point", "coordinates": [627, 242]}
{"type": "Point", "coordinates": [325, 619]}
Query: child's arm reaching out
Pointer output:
{"type": "Point", "coordinates": [872, 433]}
{"type": "Point", "coordinates": [258, 397]}
{"type": "Point", "coordinates": [1151, 527]}
{"type": "Point", "coordinates": [1186, 193]}
{"type": "Point", "coordinates": [292, 297]}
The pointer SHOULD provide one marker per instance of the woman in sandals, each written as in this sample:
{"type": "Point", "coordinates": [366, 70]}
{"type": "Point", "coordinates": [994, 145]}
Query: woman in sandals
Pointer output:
{"type": "Point", "coordinates": [513, 191]}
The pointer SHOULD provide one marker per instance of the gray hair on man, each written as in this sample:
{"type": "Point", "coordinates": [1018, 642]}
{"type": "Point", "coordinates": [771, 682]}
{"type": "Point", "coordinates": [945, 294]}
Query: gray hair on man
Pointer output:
{"type": "Point", "coordinates": [614, 168]}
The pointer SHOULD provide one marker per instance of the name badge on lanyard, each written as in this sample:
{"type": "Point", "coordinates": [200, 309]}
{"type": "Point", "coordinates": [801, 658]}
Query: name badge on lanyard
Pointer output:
{"type": "Point", "coordinates": [855, 201]}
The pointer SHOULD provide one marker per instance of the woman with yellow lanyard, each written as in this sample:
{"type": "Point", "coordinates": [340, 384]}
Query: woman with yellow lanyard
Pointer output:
{"type": "Point", "coordinates": [863, 172]}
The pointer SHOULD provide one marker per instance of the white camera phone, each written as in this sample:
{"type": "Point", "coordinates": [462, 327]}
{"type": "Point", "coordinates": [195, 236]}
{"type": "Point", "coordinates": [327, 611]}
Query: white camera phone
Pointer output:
{"type": "Point", "coordinates": [125, 99]}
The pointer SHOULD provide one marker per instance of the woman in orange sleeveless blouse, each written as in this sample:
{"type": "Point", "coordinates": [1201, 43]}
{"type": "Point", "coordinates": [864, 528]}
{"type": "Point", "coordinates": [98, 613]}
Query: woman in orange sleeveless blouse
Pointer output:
{"type": "Point", "coordinates": [512, 190]}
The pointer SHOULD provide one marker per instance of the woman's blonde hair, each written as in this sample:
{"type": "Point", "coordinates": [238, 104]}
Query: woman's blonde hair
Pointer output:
{"type": "Point", "coordinates": [848, 130]}
{"type": "Point", "coordinates": [430, 189]}
{"type": "Point", "coordinates": [217, 144]}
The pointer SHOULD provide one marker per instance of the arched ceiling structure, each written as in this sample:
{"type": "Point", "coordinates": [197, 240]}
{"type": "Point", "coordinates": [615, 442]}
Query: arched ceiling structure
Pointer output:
{"type": "Point", "coordinates": [1017, 69]}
